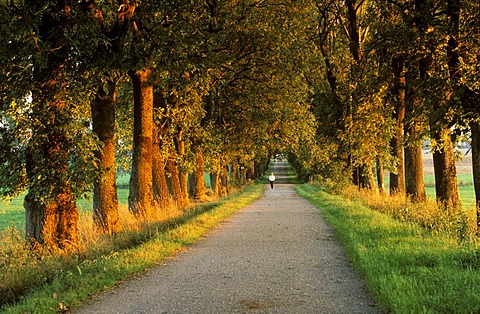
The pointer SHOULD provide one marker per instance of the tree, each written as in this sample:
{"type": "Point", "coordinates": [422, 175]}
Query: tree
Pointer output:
{"type": "Point", "coordinates": [105, 202]}
{"type": "Point", "coordinates": [140, 198]}
{"type": "Point", "coordinates": [41, 81]}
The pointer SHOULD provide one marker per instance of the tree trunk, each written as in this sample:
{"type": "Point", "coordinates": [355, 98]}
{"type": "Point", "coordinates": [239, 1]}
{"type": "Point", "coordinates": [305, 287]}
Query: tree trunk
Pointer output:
{"type": "Point", "coordinates": [393, 187]}
{"type": "Point", "coordinates": [160, 185]}
{"type": "Point", "coordinates": [140, 199]}
{"type": "Point", "coordinates": [475, 129]}
{"type": "Point", "coordinates": [380, 176]}
{"type": "Point", "coordinates": [173, 175]}
{"type": "Point", "coordinates": [446, 185]}
{"type": "Point", "coordinates": [214, 182]}
{"type": "Point", "coordinates": [51, 216]}
{"type": "Point", "coordinates": [53, 224]}
{"type": "Point", "coordinates": [367, 180]}
{"type": "Point", "coordinates": [225, 182]}
{"type": "Point", "coordinates": [400, 85]}
{"type": "Point", "coordinates": [51, 221]}
{"type": "Point", "coordinates": [414, 176]}
{"type": "Point", "coordinates": [200, 189]}
{"type": "Point", "coordinates": [182, 174]}
{"type": "Point", "coordinates": [414, 181]}
{"type": "Point", "coordinates": [105, 202]}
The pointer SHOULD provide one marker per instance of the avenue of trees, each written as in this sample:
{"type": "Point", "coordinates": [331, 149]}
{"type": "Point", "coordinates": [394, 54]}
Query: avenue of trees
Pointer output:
{"type": "Point", "coordinates": [167, 89]}
{"type": "Point", "coordinates": [171, 90]}
{"type": "Point", "coordinates": [391, 75]}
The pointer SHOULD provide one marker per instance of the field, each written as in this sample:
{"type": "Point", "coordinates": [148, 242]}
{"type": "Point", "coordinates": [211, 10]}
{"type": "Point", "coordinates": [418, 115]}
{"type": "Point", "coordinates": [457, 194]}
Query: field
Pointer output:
{"type": "Point", "coordinates": [464, 174]}
{"type": "Point", "coordinates": [12, 213]}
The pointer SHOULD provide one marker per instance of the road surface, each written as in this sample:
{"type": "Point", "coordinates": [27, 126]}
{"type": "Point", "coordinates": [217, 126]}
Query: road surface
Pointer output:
{"type": "Point", "coordinates": [278, 255]}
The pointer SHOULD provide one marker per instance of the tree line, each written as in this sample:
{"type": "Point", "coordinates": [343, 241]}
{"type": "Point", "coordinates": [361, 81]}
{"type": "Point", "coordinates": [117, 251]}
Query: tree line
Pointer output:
{"type": "Point", "coordinates": [172, 89]}
{"type": "Point", "coordinates": [168, 89]}
{"type": "Point", "coordinates": [394, 74]}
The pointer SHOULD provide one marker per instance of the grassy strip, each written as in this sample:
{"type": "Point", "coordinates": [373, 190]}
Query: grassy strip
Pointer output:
{"type": "Point", "coordinates": [84, 277]}
{"type": "Point", "coordinates": [408, 269]}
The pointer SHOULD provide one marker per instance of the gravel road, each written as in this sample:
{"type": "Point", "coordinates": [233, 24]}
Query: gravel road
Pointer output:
{"type": "Point", "coordinates": [275, 256]}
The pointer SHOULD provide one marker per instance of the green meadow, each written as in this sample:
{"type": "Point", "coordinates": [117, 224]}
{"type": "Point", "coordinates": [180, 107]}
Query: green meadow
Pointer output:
{"type": "Point", "coordinates": [408, 269]}
{"type": "Point", "coordinates": [12, 212]}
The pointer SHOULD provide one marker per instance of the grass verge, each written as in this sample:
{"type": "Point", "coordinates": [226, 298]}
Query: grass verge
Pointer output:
{"type": "Point", "coordinates": [63, 283]}
{"type": "Point", "coordinates": [407, 268]}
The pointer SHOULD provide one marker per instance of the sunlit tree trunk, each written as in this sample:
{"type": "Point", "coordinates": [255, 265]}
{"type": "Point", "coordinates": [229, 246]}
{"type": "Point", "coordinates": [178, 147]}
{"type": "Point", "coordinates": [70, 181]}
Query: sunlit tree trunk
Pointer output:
{"type": "Point", "coordinates": [140, 198]}
{"type": "Point", "coordinates": [51, 215]}
{"type": "Point", "coordinates": [414, 181]}
{"type": "Point", "coordinates": [367, 179]}
{"type": "Point", "coordinates": [105, 202]}
{"type": "Point", "coordinates": [214, 182]}
{"type": "Point", "coordinates": [225, 181]}
{"type": "Point", "coordinates": [393, 186]}
{"type": "Point", "coordinates": [446, 185]}
{"type": "Point", "coordinates": [160, 186]}
{"type": "Point", "coordinates": [200, 189]}
{"type": "Point", "coordinates": [173, 175]}
{"type": "Point", "coordinates": [414, 176]}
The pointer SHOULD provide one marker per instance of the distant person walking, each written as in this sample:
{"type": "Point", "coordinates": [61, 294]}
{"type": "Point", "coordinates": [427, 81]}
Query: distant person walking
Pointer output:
{"type": "Point", "coordinates": [271, 178]}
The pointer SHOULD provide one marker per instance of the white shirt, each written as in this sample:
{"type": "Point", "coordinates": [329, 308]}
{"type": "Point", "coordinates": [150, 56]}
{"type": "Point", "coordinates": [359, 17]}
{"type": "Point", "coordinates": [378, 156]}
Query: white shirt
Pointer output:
{"type": "Point", "coordinates": [271, 177]}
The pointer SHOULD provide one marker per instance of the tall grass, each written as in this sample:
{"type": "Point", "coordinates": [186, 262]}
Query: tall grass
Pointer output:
{"type": "Point", "coordinates": [36, 282]}
{"type": "Point", "coordinates": [408, 269]}
{"type": "Point", "coordinates": [460, 224]}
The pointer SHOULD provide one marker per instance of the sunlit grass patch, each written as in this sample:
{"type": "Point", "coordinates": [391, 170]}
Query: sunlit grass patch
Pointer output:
{"type": "Point", "coordinates": [408, 269]}
{"type": "Point", "coordinates": [428, 214]}
{"type": "Point", "coordinates": [44, 283]}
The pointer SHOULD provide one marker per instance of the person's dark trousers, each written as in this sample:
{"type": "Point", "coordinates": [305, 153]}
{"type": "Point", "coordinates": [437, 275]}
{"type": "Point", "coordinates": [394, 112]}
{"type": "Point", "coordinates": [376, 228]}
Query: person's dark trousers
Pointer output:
{"type": "Point", "coordinates": [271, 184]}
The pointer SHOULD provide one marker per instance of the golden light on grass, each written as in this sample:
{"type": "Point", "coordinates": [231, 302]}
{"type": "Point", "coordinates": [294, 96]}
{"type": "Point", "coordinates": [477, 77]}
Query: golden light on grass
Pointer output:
{"type": "Point", "coordinates": [428, 214]}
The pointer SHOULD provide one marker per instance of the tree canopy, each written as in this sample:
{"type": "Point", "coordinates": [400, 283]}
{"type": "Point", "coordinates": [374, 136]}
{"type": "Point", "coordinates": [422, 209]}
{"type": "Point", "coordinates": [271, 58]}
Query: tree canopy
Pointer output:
{"type": "Point", "coordinates": [172, 89]}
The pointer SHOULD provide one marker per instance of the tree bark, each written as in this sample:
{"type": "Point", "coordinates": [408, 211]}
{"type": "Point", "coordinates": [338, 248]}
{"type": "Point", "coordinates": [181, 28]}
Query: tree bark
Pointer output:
{"type": "Point", "coordinates": [367, 180]}
{"type": "Point", "coordinates": [160, 185]}
{"type": "Point", "coordinates": [414, 176]}
{"type": "Point", "coordinates": [199, 188]}
{"type": "Point", "coordinates": [380, 176]}
{"type": "Point", "coordinates": [400, 85]}
{"type": "Point", "coordinates": [475, 129]}
{"type": "Point", "coordinates": [173, 175]}
{"type": "Point", "coordinates": [140, 199]}
{"type": "Point", "coordinates": [105, 202]}
{"type": "Point", "coordinates": [446, 185]}
{"type": "Point", "coordinates": [414, 181]}
{"type": "Point", "coordinates": [51, 218]}
{"type": "Point", "coordinates": [182, 174]}
{"type": "Point", "coordinates": [393, 185]}
{"type": "Point", "coordinates": [51, 215]}
{"type": "Point", "coordinates": [225, 182]}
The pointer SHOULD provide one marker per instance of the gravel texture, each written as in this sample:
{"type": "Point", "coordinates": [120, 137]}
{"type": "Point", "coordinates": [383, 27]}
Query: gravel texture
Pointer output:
{"type": "Point", "coordinates": [275, 256]}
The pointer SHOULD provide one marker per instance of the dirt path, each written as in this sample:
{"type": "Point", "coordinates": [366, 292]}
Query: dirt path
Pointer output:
{"type": "Point", "coordinates": [275, 256]}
